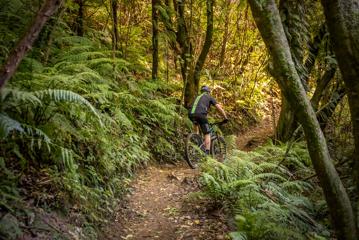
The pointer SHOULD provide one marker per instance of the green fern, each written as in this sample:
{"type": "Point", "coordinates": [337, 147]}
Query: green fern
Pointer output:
{"type": "Point", "coordinates": [88, 163]}
{"type": "Point", "coordinates": [58, 95]}
{"type": "Point", "coordinates": [18, 97]}
{"type": "Point", "coordinates": [8, 125]}
{"type": "Point", "coordinates": [267, 203]}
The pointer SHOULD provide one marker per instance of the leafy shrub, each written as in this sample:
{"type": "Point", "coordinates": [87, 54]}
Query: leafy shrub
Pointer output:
{"type": "Point", "coordinates": [267, 198]}
{"type": "Point", "coordinates": [84, 124]}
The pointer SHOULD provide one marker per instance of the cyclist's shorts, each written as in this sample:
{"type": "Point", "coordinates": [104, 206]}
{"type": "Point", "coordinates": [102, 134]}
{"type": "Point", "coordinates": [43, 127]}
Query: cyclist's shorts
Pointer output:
{"type": "Point", "coordinates": [202, 121]}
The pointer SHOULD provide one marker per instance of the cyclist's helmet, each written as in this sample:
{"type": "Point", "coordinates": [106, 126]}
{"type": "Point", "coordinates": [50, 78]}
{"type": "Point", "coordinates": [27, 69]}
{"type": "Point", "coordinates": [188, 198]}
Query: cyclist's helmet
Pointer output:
{"type": "Point", "coordinates": [205, 89]}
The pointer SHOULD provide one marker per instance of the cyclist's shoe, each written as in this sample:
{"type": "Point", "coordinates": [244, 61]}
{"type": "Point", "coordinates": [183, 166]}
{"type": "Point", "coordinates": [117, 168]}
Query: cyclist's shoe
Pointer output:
{"type": "Point", "coordinates": [207, 152]}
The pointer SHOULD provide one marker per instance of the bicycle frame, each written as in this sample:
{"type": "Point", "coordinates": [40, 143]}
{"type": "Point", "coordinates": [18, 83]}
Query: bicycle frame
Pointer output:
{"type": "Point", "coordinates": [213, 132]}
{"type": "Point", "coordinates": [217, 142]}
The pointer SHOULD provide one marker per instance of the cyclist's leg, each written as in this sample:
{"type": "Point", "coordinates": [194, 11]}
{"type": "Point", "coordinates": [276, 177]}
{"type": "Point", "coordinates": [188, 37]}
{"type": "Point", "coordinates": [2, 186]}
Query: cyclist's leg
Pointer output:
{"type": "Point", "coordinates": [207, 142]}
{"type": "Point", "coordinates": [195, 128]}
{"type": "Point", "coordinates": [195, 123]}
{"type": "Point", "coordinates": [203, 122]}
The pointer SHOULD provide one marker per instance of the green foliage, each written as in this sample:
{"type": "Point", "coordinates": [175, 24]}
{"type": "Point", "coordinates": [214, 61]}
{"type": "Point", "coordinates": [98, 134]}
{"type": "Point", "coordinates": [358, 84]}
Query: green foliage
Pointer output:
{"type": "Point", "coordinates": [84, 124]}
{"type": "Point", "coordinates": [79, 118]}
{"type": "Point", "coordinates": [267, 198]}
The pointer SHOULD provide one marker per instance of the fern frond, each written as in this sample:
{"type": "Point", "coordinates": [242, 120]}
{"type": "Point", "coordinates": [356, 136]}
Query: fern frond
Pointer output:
{"type": "Point", "coordinates": [7, 125]}
{"type": "Point", "coordinates": [238, 235]}
{"type": "Point", "coordinates": [298, 186]}
{"type": "Point", "coordinates": [120, 63]}
{"type": "Point", "coordinates": [37, 134]}
{"type": "Point", "coordinates": [18, 96]}
{"type": "Point", "coordinates": [269, 176]}
{"type": "Point", "coordinates": [271, 206]}
{"type": "Point", "coordinates": [67, 158]}
{"type": "Point", "coordinates": [58, 95]}
{"type": "Point", "coordinates": [83, 56]}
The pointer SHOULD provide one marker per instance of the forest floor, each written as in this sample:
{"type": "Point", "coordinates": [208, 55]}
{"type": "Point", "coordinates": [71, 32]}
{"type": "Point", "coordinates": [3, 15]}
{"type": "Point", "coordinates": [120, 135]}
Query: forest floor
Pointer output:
{"type": "Point", "coordinates": [161, 206]}
{"type": "Point", "coordinates": [164, 202]}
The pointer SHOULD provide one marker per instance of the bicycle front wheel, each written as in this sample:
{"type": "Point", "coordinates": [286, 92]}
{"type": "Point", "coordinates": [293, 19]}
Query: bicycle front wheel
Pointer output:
{"type": "Point", "coordinates": [219, 149]}
{"type": "Point", "coordinates": [193, 151]}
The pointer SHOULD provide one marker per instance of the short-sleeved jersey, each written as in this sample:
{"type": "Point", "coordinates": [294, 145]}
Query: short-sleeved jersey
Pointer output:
{"type": "Point", "coordinates": [201, 104]}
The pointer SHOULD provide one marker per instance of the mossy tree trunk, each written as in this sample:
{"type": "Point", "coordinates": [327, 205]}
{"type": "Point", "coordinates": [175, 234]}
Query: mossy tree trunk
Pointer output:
{"type": "Point", "coordinates": [79, 22]}
{"type": "Point", "coordinates": [313, 47]}
{"type": "Point", "coordinates": [292, 14]}
{"type": "Point", "coordinates": [286, 122]}
{"type": "Point", "coordinates": [322, 84]}
{"type": "Point", "coordinates": [268, 20]}
{"type": "Point", "coordinates": [227, 10]}
{"type": "Point", "coordinates": [116, 36]}
{"type": "Point", "coordinates": [183, 39]}
{"type": "Point", "coordinates": [25, 43]}
{"type": "Point", "coordinates": [179, 39]}
{"type": "Point", "coordinates": [288, 9]}
{"type": "Point", "coordinates": [182, 45]}
{"type": "Point", "coordinates": [154, 39]}
{"type": "Point", "coordinates": [343, 22]}
{"type": "Point", "coordinates": [328, 109]}
{"type": "Point", "coordinates": [192, 85]}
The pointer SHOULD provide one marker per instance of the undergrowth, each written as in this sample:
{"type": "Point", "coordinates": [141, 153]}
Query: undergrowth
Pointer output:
{"type": "Point", "coordinates": [72, 132]}
{"type": "Point", "coordinates": [266, 194]}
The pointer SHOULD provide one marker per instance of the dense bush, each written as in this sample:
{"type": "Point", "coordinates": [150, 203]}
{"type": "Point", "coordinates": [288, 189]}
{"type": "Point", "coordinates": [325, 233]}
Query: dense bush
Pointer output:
{"type": "Point", "coordinates": [72, 132]}
{"type": "Point", "coordinates": [268, 199]}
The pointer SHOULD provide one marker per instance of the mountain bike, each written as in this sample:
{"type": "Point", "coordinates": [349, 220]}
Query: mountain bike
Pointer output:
{"type": "Point", "coordinates": [195, 149]}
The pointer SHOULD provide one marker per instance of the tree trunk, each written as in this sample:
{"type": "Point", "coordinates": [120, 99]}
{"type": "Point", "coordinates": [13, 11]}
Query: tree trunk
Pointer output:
{"type": "Point", "coordinates": [47, 50]}
{"type": "Point", "coordinates": [286, 122]}
{"type": "Point", "coordinates": [225, 34]}
{"type": "Point", "coordinates": [343, 22]}
{"type": "Point", "coordinates": [192, 86]}
{"type": "Point", "coordinates": [168, 24]}
{"type": "Point", "coordinates": [116, 35]}
{"type": "Point", "coordinates": [327, 111]}
{"type": "Point", "coordinates": [154, 40]}
{"type": "Point", "coordinates": [268, 20]}
{"type": "Point", "coordinates": [182, 45]}
{"type": "Point", "coordinates": [322, 83]}
{"type": "Point", "coordinates": [313, 46]}
{"type": "Point", "coordinates": [80, 19]}
{"type": "Point", "coordinates": [292, 14]}
{"type": "Point", "coordinates": [26, 42]}
{"type": "Point", "coordinates": [183, 40]}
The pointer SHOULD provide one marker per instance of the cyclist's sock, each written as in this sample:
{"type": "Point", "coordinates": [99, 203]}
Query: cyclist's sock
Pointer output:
{"type": "Point", "coordinates": [207, 152]}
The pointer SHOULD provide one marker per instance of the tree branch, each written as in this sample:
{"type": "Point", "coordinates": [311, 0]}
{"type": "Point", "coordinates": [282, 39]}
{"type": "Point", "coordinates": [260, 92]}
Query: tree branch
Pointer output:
{"type": "Point", "coordinates": [26, 42]}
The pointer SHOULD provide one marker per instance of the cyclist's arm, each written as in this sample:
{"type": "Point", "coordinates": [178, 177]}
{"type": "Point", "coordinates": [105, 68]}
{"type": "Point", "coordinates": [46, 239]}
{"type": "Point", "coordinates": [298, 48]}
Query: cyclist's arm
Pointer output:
{"type": "Point", "coordinates": [220, 109]}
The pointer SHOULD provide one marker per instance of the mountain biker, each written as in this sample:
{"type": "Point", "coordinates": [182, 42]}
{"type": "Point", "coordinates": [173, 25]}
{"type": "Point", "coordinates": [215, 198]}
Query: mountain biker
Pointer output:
{"type": "Point", "coordinates": [198, 114]}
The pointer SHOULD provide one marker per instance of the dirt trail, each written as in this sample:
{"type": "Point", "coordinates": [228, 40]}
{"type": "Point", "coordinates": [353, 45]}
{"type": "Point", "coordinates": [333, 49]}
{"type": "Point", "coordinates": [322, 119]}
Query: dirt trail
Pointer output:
{"type": "Point", "coordinates": [160, 207]}
{"type": "Point", "coordinates": [161, 204]}
{"type": "Point", "coordinates": [256, 135]}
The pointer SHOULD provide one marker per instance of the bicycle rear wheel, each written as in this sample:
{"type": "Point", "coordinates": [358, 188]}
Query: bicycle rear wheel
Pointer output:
{"type": "Point", "coordinates": [219, 149]}
{"type": "Point", "coordinates": [193, 151]}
